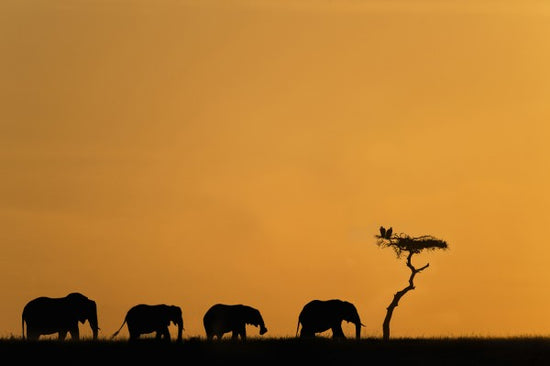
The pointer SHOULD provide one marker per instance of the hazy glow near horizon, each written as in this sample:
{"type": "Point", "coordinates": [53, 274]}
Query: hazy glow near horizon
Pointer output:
{"type": "Point", "coordinates": [196, 152]}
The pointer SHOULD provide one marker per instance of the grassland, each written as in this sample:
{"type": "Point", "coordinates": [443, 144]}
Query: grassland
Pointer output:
{"type": "Point", "coordinates": [285, 351]}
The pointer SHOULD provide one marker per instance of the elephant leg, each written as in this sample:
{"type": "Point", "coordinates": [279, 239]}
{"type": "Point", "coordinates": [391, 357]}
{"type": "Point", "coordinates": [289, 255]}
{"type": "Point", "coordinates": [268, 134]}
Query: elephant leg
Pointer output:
{"type": "Point", "coordinates": [75, 333]}
{"type": "Point", "coordinates": [163, 333]}
{"type": "Point", "coordinates": [134, 336]}
{"type": "Point", "coordinates": [32, 335]}
{"type": "Point", "coordinates": [337, 332]}
{"type": "Point", "coordinates": [61, 335]}
{"type": "Point", "coordinates": [240, 331]}
{"type": "Point", "coordinates": [306, 333]}
{"type": "Point", "coordinates": [235, 334]}
{"type": "Point", "coordinates": [167, 334]}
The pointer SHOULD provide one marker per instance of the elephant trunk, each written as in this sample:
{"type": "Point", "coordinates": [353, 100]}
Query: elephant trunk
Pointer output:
{"type": "Point", "coordinates": [179, 323]}
{"type": "Point", "coordinates": [260, 322]}
{"type": "Point", "coordinates": [93, 323]}
{"type": "Point", "coordinates": [355, 319]}
{"type": "Point", "coordinates": [263, 329]}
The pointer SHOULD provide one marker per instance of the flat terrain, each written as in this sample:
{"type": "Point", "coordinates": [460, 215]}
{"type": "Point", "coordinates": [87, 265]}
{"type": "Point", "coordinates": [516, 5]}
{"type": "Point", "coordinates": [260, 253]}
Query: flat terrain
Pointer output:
{"type": "Point", "coordinates": [285, 351]}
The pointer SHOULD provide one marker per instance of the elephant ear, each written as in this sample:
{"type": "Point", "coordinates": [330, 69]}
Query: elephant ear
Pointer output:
{"type": "Point", "coordinates": [256, 318]}
{"type": "Point", "coordinates": [81, 312]}
{"type": "Point", "coordinates": [76, 305]}
{"type": "Point", "coordinates": [85, 310]}
{"type": "Point", "coordinates": [76, 312]}
{"type": "Point", "coordinates": [176, 313]}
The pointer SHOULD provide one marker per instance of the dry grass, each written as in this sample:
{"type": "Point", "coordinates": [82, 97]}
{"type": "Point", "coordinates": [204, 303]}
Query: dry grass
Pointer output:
{"type": "Point", "coordinates": [287, 351]}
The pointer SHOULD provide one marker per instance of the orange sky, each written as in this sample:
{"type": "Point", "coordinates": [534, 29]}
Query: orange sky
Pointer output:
{"type": "Point", "coordinates": [195, 152]}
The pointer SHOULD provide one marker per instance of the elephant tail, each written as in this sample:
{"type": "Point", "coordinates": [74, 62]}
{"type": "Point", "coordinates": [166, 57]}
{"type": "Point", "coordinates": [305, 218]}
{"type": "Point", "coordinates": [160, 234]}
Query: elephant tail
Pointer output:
{"type": "Point", "coordinates": [23, 326]}
{"type": "Point", "coordinates": [116, 333]}
{"type": "Point", "coordinates": [297, 327]}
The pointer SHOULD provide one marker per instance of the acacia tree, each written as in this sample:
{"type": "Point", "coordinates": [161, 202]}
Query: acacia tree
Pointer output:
{"type": "Point", "coordinates": [403, 244]}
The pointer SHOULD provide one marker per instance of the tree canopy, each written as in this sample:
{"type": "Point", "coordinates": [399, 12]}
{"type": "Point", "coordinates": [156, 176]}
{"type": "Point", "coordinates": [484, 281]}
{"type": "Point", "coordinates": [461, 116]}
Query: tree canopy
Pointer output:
{"type": "Point", "coordinates": [404, 243]}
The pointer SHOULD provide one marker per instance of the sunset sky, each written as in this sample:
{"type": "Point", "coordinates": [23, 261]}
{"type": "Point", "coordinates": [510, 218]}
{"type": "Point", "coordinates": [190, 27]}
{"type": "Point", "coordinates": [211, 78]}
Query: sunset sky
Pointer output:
{"type": "Point", "coordinates": [230, 151]}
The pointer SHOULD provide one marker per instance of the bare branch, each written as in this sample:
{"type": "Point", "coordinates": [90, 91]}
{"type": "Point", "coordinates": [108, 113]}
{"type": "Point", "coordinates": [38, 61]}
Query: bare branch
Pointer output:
{"type": "Point", "coordinates": [423, 268]}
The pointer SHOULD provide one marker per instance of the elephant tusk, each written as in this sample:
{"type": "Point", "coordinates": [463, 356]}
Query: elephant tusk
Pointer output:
{"type": "Point", "coordinates": [363, 325]}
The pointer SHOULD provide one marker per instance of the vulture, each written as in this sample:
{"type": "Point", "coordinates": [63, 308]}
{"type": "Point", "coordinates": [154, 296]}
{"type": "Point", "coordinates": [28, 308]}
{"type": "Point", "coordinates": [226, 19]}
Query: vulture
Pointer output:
{"type": "Point", "coordinates": [388, 233]}
{"type": "Point", "coordinates": [382, 232]}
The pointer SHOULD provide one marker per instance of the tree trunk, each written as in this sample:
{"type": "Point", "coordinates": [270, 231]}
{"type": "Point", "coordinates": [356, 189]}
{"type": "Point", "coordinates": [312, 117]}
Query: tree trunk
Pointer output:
{"type": "Point", "coordinates": [398, 295]}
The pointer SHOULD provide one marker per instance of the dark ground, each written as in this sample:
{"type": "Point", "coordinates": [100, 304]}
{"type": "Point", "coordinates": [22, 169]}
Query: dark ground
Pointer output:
{"type": "Point", "coordinates": [285, 351]}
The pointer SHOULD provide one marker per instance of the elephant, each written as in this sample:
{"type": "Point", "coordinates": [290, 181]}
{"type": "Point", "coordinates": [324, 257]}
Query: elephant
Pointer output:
{"type": "Point", "coordinates": [47, 315]}
{"type": "Point", "coordinates": [223, 318]}
{"type": "Point", "coordinates": [144, 318]}
{"type": "Point", "coordinates": [320, 315]}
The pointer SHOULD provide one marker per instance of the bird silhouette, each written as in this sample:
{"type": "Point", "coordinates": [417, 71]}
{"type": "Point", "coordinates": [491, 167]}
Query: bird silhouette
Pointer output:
{"type": "Point", "coordinates": [388, 233]}
{"type": "Point", "coordinates": [382, 232]}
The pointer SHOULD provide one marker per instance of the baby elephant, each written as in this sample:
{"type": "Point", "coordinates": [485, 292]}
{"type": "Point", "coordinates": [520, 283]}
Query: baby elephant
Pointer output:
{"type": "Point", "coordinates": [222, 318]}
{"type": "Point", "coordinates": [143, 319]}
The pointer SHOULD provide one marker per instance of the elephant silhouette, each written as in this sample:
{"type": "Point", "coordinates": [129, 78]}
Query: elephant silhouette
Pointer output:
{"type": "Point", "coordinates": [318, 316]}
{"type": "Point", "coordinates": [145, 318]}
{"type": "Point", "coordinates": [48, 315]}
{"type": "Point", "coordinates": [224, 318]}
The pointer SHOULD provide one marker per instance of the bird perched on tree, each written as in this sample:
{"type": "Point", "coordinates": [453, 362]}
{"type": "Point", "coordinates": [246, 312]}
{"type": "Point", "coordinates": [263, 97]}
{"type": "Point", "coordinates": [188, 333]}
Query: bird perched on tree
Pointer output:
{"type": "Point", "coordinates": [383, 232]}
{"type": "Point", "coordinates": [388, 233]}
